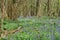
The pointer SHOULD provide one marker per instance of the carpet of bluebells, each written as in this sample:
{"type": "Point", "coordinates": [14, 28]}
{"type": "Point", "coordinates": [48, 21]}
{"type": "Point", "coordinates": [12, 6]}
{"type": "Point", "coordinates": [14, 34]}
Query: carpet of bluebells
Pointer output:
{"type": "Point", "coordinates": [42, 28]}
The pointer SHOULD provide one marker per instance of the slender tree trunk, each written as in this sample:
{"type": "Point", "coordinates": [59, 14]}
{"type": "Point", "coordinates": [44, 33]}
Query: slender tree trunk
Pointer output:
{"type": "Point", "coordinates": [14, 15]}
{"type": "Point", "coordinates": [39, 8]}
{"type": "Point", "coordinates": [9, 9]}
{"type": "Point", "coordinates": [2, 16]}
{"type": "Point", "coordinates": [48, 7]}
{"type": "Point", "coordinates": [58, 10]}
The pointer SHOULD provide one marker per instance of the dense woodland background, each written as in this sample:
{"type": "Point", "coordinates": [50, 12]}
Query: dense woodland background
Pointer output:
{"type": "Point", "coordinates": [15, 8]}
{"type": "Point", "coordinates": [38, 19]}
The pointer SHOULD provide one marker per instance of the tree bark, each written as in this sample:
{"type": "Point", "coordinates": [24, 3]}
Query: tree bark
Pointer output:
{"type": "Point", "coordinates": [2, 16]}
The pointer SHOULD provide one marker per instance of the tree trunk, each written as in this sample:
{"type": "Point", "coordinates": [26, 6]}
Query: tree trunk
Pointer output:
{"type": "Point", "coordinates": [39, 8]}
{"type": "Point", "coordinates": [2, 16]}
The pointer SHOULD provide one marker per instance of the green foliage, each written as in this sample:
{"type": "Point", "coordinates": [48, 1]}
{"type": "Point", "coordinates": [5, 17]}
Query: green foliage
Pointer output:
{"type": "Point", "coordinates": [11, 26]}
{"type": "Point", "coordinates": [34, 28]}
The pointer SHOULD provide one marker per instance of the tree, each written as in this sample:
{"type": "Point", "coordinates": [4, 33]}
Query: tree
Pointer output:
{"type": "Point", "coordinates": [39, 8]}
{"type": "Point", "coordinates": [2, 15]}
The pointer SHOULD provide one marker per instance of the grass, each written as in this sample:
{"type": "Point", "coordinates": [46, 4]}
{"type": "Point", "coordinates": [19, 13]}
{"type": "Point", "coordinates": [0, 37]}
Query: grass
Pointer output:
{"type": "Point", "coordinates": [43, 28]}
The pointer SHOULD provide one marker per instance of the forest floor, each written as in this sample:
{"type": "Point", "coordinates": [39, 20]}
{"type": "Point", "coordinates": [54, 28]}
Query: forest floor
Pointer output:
{"type": "Point", "coordinates": [43, 28]}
